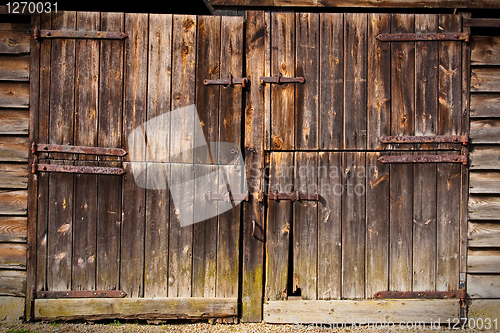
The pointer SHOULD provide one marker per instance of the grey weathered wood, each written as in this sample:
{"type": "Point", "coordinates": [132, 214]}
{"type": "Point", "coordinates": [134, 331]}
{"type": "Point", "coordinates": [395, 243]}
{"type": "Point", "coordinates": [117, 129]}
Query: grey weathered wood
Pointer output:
{"type": "Point", "coordinates": [485, 105]}
{"type": "Point", "coordinates": [14, 94]}
{"type": "Point", "coordinates": [484, 182]}
{"type": "Point", "coordinates": [14, 42]}
{"type": "Point", "coordinates": [135, 308]}
{"type": "Point", "coordinates": [483, 261]}
{"type": "Point", "coordinates": [484, 158]}
{"type": "Point", "coordinates": [14, 149]}
{"type": "Point", "coordinates": [13, 229]}
{"type": "Point", "coordinates": [484, 131]}
{"type": "Point", "coordinates": [15, 68]}
{"type": "Point", "coordinates": [12, 283]}
{"type": "Point", "coordinates": [13, 176]}
{"type": "Point", "coordinates": [348, 311]}
{"type": "Point", "coordinates": [14, 122]}
{"type": "Point", "coordinates": [12, 256]}
{"type": "Point", "coordinates": [483, 234]}
{"type": "Point", "coordinates": [483, 286]}
{"type": "Point", "coordinates": [485, 50]}
{"type": "Point", "coordinates": [484, 208]}
{"type": "Point", "coordinates": [485, 79]}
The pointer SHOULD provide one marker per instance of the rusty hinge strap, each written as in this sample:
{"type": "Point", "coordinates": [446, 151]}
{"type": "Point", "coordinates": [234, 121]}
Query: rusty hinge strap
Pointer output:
{"type": "Point", "coordinates": [227, 81]}
{"type": "Point", "coordinates": [46, 148]}
{"type": "Point", "coordinates": [76, 169]}
{"type": "Point", "coordinates": [43, 33]}
{"type": "Point", "coordinates": [463, 139]}
{"type": "Point", "coordinates": [228, 196]}
{"type": "Point", "coordinates": [412, 37]}
{"type": "Point", "coordinates": [418, 294]}
{"type": "Point", "coordinates": [281, 79]}
{"type": "Point", "coordinates": [424, 159]}
{"type": "Point", "coordinates": [81, 294]}
{"type": "Point", "coordinates": [294, 196]}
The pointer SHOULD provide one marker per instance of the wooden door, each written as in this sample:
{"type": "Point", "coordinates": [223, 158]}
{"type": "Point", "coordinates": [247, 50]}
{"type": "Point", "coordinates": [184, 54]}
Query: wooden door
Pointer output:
{"type": "Point", "coordinates": [106, 232]}
{"type": "Point", "coordinates": [376, 227]}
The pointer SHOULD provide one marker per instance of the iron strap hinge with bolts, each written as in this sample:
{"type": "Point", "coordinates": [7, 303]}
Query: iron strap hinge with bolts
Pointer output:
{"type": "Point", "coordinates": [463, 139]}
{"type": "Point", "coordinates": [423, 37]}
{"type": "Point", "coordinates": [228, 81]}
{"type": "Point", "coordinates": [227, 197]}
{"type": "Point", "coordinates": [51, 148]}
{"type": "Point", "coordinates": [424, 159]}
{"type": "Point", "coordinates": [79, 294]}
{"type": "Point", "coordinates": [279, 79]}
{"type": "Point", "coordinates": [294, 196]}
{"type": "Point", "coordinates": [35, 167]}
{"type": "Point", "coordinates": [419, 294]}
{"type": "Point", "coordinates": [78, 34]}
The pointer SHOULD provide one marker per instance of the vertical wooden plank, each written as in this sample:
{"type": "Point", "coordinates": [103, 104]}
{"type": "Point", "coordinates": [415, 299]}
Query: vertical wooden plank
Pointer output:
{"type": "Point", "coordinates": [305, 226]}
{"type": "Point", "coordinates": [307, 95]}
{"type": "Point", "coordinates": [401, 226]}
{"type": "Point", "coordinates": [424, 196]}
{"type": "Point", "coordinates": [353, 226]}
{"type": "Point", "coordinates": [256, 49]}
{"type": "Point", "coordinates": [134, 115]}
{"type": "Point", "coordinates": [282, 95]}
{"type": "Point", "coordinates": [330, 188]}
{"type": "Point", "coordinates": [355, 76]}
{"type": "Point", "coordinates": [86, 110]}
{"type": "Point", "coordinates": [158, 197]}
{"type": "Point", "coordinates": [183, 94]}
{"type": "Point", "coordinates": [109, 191]}
{"type": "Point", "coordinates": [281, 179]}
{"type": "Point", "coordinates": [331, 78]}
{"type": "Point", "coordinates": [377, 224]}
{"type": "Point", "coordinates": [230, 122]}
{"type": "Point", "coordinates": [61, 120]}
{"type": "Point", "coordinates": [424, 225]}
{"type": "Point", "coordinates": [379, 81]}
{"type": "Point", "coordinates": [402, 77]}
{"type": "Point", "coordinates": [31, 260]}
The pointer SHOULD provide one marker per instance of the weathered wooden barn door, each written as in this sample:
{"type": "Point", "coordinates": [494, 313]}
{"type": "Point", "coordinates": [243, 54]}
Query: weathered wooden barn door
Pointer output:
{"type": "Point", "coordinates": [98, 230]}
{"type": "Point", "coordinates": [374, 227]}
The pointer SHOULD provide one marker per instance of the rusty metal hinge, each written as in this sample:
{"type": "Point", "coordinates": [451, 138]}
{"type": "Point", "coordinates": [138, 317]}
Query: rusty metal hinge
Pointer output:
{"type": "Point", "coordinates": [463, 139]}
{"type": "Point", "coordinates": [76, 169]}
{"type": "Point", "coordinates": [419, 294]}
{"type": "Point", "coordinates": [294, 196]}
{"type": "Point", "coordinates": [425, 159]}
{"type": "Point", "coordinates": [415, 37]}
{"type": "Point", "coordinates": [78, 34]}
{"type": "Point", "coordinates": [227, 197]}
{"type": "Point", "coordinates": [228, 81]}
{"type": "Point", "coordinates": [279, 79]}
{"type": "Point", "coordinates": [52, 148]}
{"type": "Point", "coordinates": [80, 294]}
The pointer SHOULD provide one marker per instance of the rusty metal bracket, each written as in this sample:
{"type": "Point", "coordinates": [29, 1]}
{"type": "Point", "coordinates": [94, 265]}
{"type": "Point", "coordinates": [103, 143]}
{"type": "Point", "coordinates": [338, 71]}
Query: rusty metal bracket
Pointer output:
{"type": "Point", "coordinates": [463, 139]}
{"type": "Point", "coordinates": [76, 169]}
{"type": "Point", "coordinates": [78, 34]}
{"type": "Point", "coordinates": [51, 148]}
{"type": "Point", "coordinates": [228, 81]}
{"type": "Point", "coordinates": [425, 159]}
{"type": "Point", "coordinates": [80, 294]}
{"type": "Point", "coordinates": [294, 196]}
{"type": "Point", "coordinates": [414, 37]}
{"type": "Point", "coordinates": [418, 294]}
{"type": "Point", "coordinates": [280, 79]}
{"type": "Point", "coordinates": [227, 197]}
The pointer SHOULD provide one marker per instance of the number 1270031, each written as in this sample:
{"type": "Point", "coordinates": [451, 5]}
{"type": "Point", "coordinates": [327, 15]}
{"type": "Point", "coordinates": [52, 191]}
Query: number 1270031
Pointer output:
{"type": "Point", "coordinates": [24, 7]}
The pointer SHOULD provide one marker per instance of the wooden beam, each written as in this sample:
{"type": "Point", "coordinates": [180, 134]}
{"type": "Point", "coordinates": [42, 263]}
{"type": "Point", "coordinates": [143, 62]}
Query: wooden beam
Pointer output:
{"type": "Point", "coordinates": [485, 131]}
{"type": "Point", "coordinates": [485, 79]}
{"type": "Point", "coordinates": [484, 234]}
{"type": "Point", "coordinates": [485, 182]}
{"type": "Point", "coordinates": [15, 67]}
{"type": "Point", "coordinates": [353, 3]}
{"type": "Point", "coordinates": [14, 42]}
{"type": "Point", "coordinates": [13, 202]}
{"type": "Point", "coordinates": [483, 286]}
{"type": "Point", "coordinates": [13, 175]}
{"type": "Point", "coordinates": [12, 256]}
{"type": "Point", "coordinates": [485, 105]}
{"type": "Point", "coordinates": [484, 208]}
{"type": "Point", "coordinates": [14, 121]}
{"type": "Point", "coordinates": [135, 308]}
{"type": "Point", "coordinates": [14, 94]}
{"type": "Point", "coordinates": [481, 22]}
{"type": "Point", "coordinates": [348, 311]}
{"type": "Point", "coordinates": [483, 261]}
{"type": "Point", "coordinates": [13, 229]}
{"type": "Point", "coordinates": [12, 283]}
{"type": "Point", "coordinates": [485, 158]}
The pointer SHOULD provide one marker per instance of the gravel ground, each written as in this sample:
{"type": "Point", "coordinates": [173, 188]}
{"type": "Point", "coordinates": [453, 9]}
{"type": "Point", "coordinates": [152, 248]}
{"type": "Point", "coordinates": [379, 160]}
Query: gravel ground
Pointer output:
{"type": "Point", "coordinates": [118, 327]}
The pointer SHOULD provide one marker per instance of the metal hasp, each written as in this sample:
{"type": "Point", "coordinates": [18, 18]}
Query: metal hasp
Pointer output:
{"type": "Point", "coordinates": [228, 81]}
{"type": "Point", "coordinates": [294, 196]}
{"type": "Point", "coordinates": [78, 34]}
{"type": "Point", "coordinates": [418, 294]}
{"type": "Point", "coordinates": [80, 294]}
{"type": "Point", "coordinates": [76, 169]}
{"type": "Point", "coordinates": [50, 148]}
{"type": "Point", "coordinates": [227, 197]}
{"type": "Point", "coordinates": [279, 79]}
{"type": "Point", "coordinates": [413, 37]}
{"type": "Point", "coordinates": [463, 139]}
{"type": "Point", "coordinates": [424, 159]}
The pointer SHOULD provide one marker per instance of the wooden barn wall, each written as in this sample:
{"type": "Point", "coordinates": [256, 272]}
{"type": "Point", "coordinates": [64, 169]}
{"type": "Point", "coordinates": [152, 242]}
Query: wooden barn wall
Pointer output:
{"type": "Point", "coordinates": [483, 278]}
{"type": "Point", "coordinates": [14, 117]}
